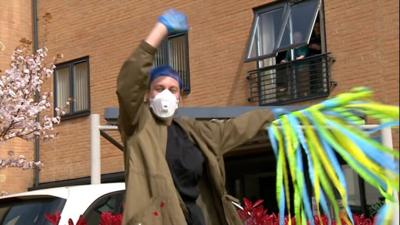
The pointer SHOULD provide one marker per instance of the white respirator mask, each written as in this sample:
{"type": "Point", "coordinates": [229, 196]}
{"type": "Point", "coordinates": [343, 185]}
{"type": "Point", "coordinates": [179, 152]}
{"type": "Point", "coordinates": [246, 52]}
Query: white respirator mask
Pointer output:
{"type": "Point", "coordinates": [164, 104]}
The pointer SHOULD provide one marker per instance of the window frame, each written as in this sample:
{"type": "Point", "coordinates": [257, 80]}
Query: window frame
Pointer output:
{"type": "Point", "coordinates": [185, 78]}
{"type": "Point", "coordinates": [70, 65]}
{"type": "Point", "coordinates": [286, 14]}
{"type": "Point", "coordinates": [258, 83]}
{"type": "Point", "coordinates": [256, 12]}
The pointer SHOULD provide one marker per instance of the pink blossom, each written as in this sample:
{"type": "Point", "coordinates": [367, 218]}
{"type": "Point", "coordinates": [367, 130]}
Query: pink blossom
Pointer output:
{"type": "Point", "coordinates": [19, 162]}
{"type": "Point", "coordinates": [19, 87]}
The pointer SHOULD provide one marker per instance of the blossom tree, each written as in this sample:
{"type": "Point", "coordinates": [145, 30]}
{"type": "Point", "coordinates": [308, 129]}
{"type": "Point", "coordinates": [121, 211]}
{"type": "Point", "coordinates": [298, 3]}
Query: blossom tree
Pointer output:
{"type": "Point", "coordinates": [24, 107]}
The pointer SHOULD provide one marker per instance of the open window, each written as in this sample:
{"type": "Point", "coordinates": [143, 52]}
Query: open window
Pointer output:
{"type": "Point", "coordinates": [287, 48]}
{"type": "Point", "coordinates": [281, 27]}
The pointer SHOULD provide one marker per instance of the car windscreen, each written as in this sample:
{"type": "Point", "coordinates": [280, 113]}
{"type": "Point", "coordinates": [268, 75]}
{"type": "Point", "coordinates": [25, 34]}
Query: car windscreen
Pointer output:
{"type": "Point", "coordinates": [23, 211]}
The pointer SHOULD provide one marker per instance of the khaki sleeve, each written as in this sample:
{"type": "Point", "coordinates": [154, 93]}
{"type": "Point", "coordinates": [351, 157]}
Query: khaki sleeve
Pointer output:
{"type": "Point", "coordinates": [224, 136]}
{"type": "Point", "coordinates": [132, 85]}
{"type": "Point", "coordinates": [242, 129]}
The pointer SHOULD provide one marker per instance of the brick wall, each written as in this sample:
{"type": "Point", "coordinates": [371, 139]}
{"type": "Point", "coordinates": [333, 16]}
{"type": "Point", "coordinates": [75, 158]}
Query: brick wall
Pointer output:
{"type": "Point", "coordinates": [14, 180]}
{"type": "Point", "coordinates": [363, 38]}
{"type": "Point", "coordinates": [15, 24]}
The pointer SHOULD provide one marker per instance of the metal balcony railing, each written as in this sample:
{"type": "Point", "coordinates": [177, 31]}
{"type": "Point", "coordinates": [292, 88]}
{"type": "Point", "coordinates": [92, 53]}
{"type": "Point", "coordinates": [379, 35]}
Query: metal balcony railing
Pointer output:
{"type": "Point", "coordinates": [290, 82]}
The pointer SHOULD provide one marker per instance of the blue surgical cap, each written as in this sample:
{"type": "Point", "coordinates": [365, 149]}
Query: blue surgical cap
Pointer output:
{"type": "Point", "coordinates": [165, 70]}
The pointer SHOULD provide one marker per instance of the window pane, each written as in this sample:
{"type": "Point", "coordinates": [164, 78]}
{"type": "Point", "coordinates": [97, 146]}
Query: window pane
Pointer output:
{"type": "Point", "coordinates": [299, 26]}
{"type": "Point", "coordinates": [265, 33]}
{"type": "Point", "coordinates": [285, 42]}
{"type": "Point", "coordinates": [81, 94]}
{"type": "Point", "coordinates": [109, 203]}
{"type": "Point", "coordinates": [161, 56]}
{"type": "Point", "coordinates": [63, 88]}
{"type": "Point", "coordinates": [17, 211]}
{"type": "Point", "coordinates": [174, 52]}
{"type": "Point", "coordinates": [254, 40]}
{"type": "Point", "coordinates": [178, 56]}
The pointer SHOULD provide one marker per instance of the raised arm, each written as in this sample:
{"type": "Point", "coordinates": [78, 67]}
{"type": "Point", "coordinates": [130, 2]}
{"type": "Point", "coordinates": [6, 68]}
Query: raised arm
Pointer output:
{"type": "Point", "coordinates": [242, 129]}
{"type": "Point", "coordinates": [224, 136]}
{"type": "Point", "coordinates": [132, 83]}
{"type": "Point", "coordinates": [133, 80]}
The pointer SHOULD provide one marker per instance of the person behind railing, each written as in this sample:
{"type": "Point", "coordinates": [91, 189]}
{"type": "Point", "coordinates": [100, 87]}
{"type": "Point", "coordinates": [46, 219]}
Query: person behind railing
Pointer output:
{"type": "Point", "coordinates": [299, 82]}
{"type": "Point", "coordinates": [282, 78]}
{"type": "Point", "coordinates": [314, 45]}
{"type": "Point", "coordinates": [174, 167]}
{"type": "Point", "coordinates": [299, 52]}
{"type": "Point", "coordinates": [316, 73]}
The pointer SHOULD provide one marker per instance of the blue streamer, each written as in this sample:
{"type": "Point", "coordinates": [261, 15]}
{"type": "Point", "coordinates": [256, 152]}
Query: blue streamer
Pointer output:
{"type": "Point", "coordinates": [299, 134]}
{"type": "Point", "coordinates": [350, 158]}
{"type": "Point", "coordinates": [304, 191]}
{"type": "Point", "coordinates": [272, 135]}
{"type": "Point", "coordinates": [336, 165]}
{"type": "Point", "coordinates": [303, 142]}
{"type": "Point", "coordinates": [282, 206]}
{"type": "Point", "coordinates": [383, 126]}
{"type": "Point", "coordinates": [374, 154]}
{"type": "Point", "coordinates": [382, 214]}
{"type": "Point", "coordinates": [277, 112]}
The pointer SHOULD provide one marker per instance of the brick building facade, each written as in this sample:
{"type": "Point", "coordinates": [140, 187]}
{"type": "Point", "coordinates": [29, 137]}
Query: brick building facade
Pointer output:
{"type": "Point", "coordinates": [15, 24]}
{"type": "Point", "coordinates": [363, 39]}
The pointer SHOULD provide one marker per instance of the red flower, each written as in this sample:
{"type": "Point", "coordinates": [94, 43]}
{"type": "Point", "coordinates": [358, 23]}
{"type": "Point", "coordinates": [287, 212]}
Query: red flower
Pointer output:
{"type": "Point", "coordinates": [107, 218]}
{"type": "Point", "coordinates": [255, 214]}
{"type": "Point", "coordinates": [81, 221]}
{"type": "Point", "coordinates": [249, 209]}
{"type": "Point", "coordinates": [53, 218]}
{"type": "Point", "coordinates": [363, 220]}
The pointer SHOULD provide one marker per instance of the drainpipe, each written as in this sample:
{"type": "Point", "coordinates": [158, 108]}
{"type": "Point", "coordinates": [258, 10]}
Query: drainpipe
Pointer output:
{"type": "Point", "coordinates": [35, 46]}
{"type": "Point", "coordinates": [95, 155]}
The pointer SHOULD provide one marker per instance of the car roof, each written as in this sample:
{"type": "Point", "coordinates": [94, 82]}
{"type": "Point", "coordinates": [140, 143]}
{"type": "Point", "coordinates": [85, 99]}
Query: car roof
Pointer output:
{"type": "Point", "coordinates": [64, 192]}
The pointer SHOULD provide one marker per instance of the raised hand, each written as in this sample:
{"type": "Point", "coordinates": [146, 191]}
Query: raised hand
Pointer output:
{"type": "Point", "coordinates": [174, 20]}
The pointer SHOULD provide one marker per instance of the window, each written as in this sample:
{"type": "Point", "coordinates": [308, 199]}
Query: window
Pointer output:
{"type": "Point", "coordinates": [32, 210]}
{"type": "Point", "coordinates": [71, 87]}
{"type": "Point", "coordinates": [112, 202]}
{"type": "Point", "coordinates": [174, 51]}
{"type": "Point", "coordinates": [281, 27]}
{"type": "Point", "coordinates": [287, 45]}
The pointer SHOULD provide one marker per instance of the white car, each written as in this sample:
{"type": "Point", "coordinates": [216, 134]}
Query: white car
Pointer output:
{"type": "Point", "coordinates": [88, 200]}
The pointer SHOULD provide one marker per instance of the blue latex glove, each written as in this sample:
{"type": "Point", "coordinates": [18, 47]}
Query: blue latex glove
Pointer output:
{"type": "Point", "coordinates": [175, 21]}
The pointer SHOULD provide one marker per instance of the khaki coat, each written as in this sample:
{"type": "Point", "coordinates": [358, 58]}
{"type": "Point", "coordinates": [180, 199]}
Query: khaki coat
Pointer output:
{"type": "Point", "coordinates": [151, 197]}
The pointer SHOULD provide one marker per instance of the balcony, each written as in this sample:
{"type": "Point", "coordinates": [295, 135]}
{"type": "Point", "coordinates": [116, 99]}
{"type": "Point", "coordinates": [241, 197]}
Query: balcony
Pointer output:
{"type": "Point", "coordinates": [291, 82]}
